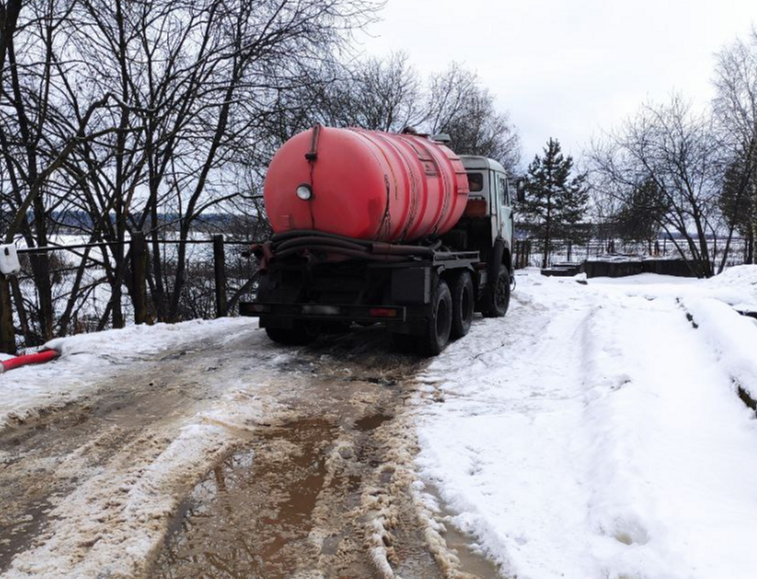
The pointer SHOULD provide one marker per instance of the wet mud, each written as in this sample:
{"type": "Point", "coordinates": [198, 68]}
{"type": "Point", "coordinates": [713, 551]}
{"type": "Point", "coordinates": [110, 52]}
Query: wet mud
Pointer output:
{"type": "Point", "coordinates": [252, 515]}
{"type": "Point", "coordinates": [328, 494]}
{"type": "Point", "coordinates": [321, 490]}
{"type": "Point", "coordinates": [44, 457]}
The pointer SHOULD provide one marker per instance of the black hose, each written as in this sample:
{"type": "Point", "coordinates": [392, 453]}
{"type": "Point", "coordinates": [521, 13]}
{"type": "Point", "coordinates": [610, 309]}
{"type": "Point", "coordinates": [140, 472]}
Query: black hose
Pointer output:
{"type": "Point", "coordinates": [280, 237]}
{"type": "Point", "coordinates": [306, 241]}
{"type": "Point", "coordinates": [291, 242]}
{"type": "Point", "coordinates": [396, 249]}
{"type": "Point", "coordinates": [340, 251]}
{"type": "Point", "coordinates": [389, 249]}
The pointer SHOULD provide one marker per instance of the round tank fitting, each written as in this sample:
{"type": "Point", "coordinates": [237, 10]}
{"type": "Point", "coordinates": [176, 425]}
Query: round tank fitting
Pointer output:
{"type": "Point", "coordinates": [304, 192]}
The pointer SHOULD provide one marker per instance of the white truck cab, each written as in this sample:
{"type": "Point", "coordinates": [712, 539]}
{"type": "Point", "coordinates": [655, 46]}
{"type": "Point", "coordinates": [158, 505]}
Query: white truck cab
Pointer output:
{"type": "Point", "coordinates": [489, 184]}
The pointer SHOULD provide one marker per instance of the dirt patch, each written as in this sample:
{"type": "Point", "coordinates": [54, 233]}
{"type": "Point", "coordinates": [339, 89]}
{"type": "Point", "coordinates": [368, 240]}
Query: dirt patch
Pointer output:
{"type": "Point", "coordinates": [252, 515]}
{"type": "Point", "coordinates": [329, 495]}
{"type": "Point", "coordinates": [308, 464]}
{"type": "Point", "coordinates": [45, 456]}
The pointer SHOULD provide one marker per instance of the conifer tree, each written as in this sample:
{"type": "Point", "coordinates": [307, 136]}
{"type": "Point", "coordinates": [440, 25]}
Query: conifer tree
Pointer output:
{"type": "Point", "coordinates": [555, 202]}
{"type": "Point", "coordinates": [738, 203]}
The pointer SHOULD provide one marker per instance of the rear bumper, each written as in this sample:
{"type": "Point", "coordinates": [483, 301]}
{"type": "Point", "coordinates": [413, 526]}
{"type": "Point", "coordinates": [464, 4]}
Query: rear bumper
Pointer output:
{"type": "Point", "coordinates": [324, 312]}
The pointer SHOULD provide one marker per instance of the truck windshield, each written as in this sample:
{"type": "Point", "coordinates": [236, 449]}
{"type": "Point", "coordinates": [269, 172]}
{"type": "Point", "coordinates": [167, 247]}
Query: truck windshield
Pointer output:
{"type": "Point", "coordinates": [476, 182]}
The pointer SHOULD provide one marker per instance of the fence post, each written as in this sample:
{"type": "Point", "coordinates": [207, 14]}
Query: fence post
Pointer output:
{"type": "Point", "coordinates": [7, 333]}
{"type": "Point", "coordinates": [516, 260]}
{"type": "Point", "coordinates": [527, 261]}
{"type": "Point", "coordinates": [139, 276]}
{"type": "Point", "coordinates": [219, 265]}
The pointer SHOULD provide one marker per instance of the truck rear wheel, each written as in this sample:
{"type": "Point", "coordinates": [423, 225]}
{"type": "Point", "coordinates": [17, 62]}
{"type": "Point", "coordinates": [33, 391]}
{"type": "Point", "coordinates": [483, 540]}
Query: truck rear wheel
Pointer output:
{"type": "Point", "coordinates": [301, 334]}
{"type": "Point", "coordinates": [461, 289]}
{"type": "Point", "coordinates": [404, 343]}
{"type": "Point", "coordinates": [497, 297]}
{"type": "Point", "coordinates": [439, 325]}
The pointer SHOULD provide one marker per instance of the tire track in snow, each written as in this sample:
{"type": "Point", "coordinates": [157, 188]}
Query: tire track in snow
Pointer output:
{"type": "Point", "coordinates": [606, 440]}
{"type": "Point", "coordinates": [522, 401]}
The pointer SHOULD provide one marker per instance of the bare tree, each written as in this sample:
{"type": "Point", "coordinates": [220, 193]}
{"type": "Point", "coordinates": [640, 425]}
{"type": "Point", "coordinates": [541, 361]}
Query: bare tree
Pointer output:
{"type": "Point", "coordinates": [35, 143]}
{"type": "Point", "coordinates": [670, 148]}
{"type": "Point", "coordinates": [382, 94]}
{"type": "Point", "coordinates": [735, 109]}
{"type": "Point", "coordinates": [385, 95]}
{"type": "Point", "coordinates": [459, 106]}
{"type": "Point", "coordinates": [389, 95]}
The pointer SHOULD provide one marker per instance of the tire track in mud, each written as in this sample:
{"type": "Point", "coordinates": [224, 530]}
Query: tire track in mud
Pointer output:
{"type": "Point", "coordinates": [46, 457]}
{"type": "Point", "coordinates": [322, 489]}
{"type": "Point", "coordinates": [329, 492]}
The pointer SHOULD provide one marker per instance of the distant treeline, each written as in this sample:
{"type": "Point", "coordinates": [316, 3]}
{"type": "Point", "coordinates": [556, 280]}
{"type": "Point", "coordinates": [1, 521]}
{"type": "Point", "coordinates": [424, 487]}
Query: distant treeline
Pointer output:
{"type": "Point", "coordinates": [74, 222]}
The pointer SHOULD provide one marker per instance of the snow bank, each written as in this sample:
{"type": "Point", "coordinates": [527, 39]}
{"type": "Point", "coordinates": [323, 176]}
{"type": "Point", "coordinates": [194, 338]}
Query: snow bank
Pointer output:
{"type": "Point", "coordinates": [88, 359]}
{"type": "Point", "coordinates": [736, 286]}
{"type": "Point", "coordinates": [732, 339]}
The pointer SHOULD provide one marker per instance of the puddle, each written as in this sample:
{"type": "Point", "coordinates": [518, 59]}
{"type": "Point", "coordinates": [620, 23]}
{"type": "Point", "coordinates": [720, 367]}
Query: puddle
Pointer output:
{"type": "Point", "coordinates": [252, 515]}
{"type": "Point", "coordinates": [472, 560]}
{"type": "Point", "coordinates": [16, 533]}
{"type": "Point", "coordinates": [371, 422]}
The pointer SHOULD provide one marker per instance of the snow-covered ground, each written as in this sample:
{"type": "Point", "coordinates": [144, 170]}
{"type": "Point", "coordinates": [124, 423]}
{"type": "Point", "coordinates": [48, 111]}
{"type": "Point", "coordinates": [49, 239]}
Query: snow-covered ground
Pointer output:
{"type": "Point", "coordinates": [88, 359]}
{"type": "Point", "coordinates": [597, 431]}
{"type": "Point", "coordinates": [600, 430]}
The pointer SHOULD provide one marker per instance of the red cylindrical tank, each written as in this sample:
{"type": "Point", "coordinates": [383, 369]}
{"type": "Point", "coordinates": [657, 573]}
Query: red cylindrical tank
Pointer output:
{"type": "Point", "coordinates": [365, 185]}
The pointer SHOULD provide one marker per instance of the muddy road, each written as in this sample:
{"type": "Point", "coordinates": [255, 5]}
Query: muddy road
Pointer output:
{"type": "Point", "coordinates": [166, 472]}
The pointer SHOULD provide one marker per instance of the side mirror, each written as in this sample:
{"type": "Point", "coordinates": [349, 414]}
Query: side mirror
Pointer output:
{"type": "Point", "coordinates": [520, 191]}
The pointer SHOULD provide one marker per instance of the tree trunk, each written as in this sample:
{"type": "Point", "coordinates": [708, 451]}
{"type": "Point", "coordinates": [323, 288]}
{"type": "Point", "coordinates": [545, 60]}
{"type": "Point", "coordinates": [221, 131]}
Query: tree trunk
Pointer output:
{"type": "Point", "coordinates": [7, 333]}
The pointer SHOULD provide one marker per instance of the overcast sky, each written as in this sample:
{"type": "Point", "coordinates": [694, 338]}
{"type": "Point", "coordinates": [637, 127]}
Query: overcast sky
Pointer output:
{"type": "Point", "coordinates": [567, 69]}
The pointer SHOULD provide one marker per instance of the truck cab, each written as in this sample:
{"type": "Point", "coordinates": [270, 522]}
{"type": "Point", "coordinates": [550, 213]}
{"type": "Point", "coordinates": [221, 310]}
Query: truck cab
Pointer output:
{"type": "Point", "coordinates": [488, 219]}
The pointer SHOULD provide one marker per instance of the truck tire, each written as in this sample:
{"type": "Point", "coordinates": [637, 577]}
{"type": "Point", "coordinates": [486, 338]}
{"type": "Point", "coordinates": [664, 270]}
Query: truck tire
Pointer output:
{"type": "Point", "coordinates": [301, 334]}
{"type": "Point", "coordinates": [497, 297]}
{"type": "Point", "coordinates": [404, 343]}
{"type": "Point", "coordinates": [463, 300]}
{"type": "Point", "coordinates": [438, 327]}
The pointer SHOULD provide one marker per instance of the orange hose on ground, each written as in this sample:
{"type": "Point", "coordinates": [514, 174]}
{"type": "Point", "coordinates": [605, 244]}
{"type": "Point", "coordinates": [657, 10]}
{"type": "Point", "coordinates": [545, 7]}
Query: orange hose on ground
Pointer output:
{"type": "Point", "coordinates": [38, 358]}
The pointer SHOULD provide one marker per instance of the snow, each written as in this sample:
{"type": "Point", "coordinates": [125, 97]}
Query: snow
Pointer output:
{"type": "Point", "coordinates": [89, 358]}
{"type": "Point", "coordinates": [596, 432]}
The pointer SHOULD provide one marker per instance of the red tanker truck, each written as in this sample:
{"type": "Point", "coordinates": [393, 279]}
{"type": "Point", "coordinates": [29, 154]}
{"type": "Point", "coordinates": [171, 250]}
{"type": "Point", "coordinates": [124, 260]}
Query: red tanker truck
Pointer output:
{"type": "Point", "coordinates": [381, 227]}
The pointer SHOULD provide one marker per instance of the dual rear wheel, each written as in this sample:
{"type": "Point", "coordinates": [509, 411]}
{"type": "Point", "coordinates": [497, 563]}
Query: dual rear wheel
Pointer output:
{"type": "Point", "coordinates": [451, 317]}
